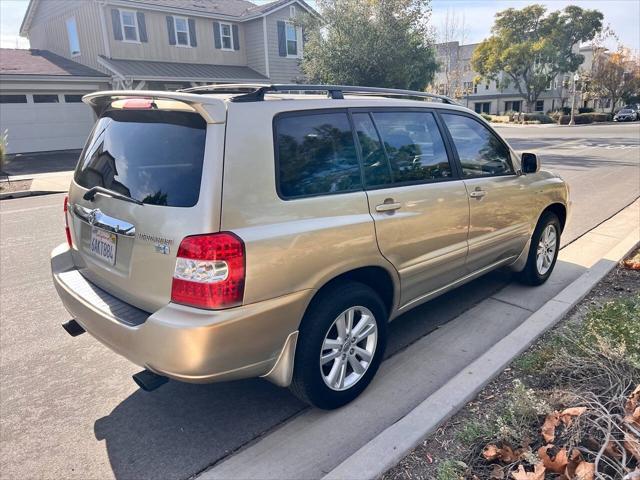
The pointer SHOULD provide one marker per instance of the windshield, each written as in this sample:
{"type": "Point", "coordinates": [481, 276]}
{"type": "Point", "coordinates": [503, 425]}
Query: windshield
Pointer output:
{"type": "Point", "coordinates": [153, 156]}
{"type": "Point", "coordinates": [625, 111]}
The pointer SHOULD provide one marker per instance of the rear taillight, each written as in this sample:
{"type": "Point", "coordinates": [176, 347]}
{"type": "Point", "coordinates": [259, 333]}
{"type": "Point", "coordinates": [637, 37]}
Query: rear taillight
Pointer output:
{"type": "Point", "coordinates": [66, 222]}
{"type": "Point", "coordinates": [209, 271]}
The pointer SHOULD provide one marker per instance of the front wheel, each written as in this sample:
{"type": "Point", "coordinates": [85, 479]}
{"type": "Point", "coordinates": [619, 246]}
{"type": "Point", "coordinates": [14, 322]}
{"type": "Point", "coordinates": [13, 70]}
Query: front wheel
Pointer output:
{"type": "Point", "coordinates": [340, 346]}
{"type": "Point", "coordinates": [543, 253]}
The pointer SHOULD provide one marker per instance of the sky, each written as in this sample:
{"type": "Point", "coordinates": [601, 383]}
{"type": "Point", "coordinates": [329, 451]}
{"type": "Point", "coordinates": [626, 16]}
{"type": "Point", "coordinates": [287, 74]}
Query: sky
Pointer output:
{"type": "Point", "coordinates": [621, 15]}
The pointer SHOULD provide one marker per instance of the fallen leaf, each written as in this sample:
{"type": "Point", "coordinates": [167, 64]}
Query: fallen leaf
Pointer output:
{"type": "Point", "coordinates": [568, 413]}
{"type": "Point", "coordinates": [635, 475]}
{"type": "Point", "coordinates": [585, 471]}
{"type": "Point", "coordinates": [497, 473]}
{"type": "Point", "coordinates": [632, 445]}
{"type": "Point", "coordinates": [575, 458]}
{"type": "Point", "coordinates": [631, 264]}
{"type": "Point", "coordinates": [554, 462]}
{"type": "Point", "coordinates": [505, 453]}
{"type": "Point", "coordinates": [537, 474]}
{"type": "Point", "coordinates": [612, 450]}
{"type": "Point", "coordinates": [549, 426]}
{"type": "Point", "coordinates": [633, 418]}
{"type": "Point", "coordinates": [633, 401]}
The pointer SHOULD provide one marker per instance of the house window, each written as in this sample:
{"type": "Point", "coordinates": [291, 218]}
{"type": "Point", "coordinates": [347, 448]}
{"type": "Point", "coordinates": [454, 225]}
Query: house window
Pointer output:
{"type": "Point", "coordinates": [292, 11]}
{"type": "Point", "coordinates": [13, 99]}
{"type": "Point", "coordinates": [539, 105]}
{"type": "Point", "coordinates": [72, 35]}
{"type": "Point", "coordinates": [46, 98]}
{"type": "Point", "coordinates": [129, 24]}
{"type": "Point", "coordinates": [482, 107]}
{"type": "Point", "coordinates": [182, 31]}
{"type": "Point", "coordinates": [73, 98]}
{"type": "Point", "coordinates": [226, 36]}
{"type": "Point", "coordinates": [475, 88]}
{"type": "Point", "coordinates": [486, 86]}
{"type": "Point", "coordinates": [512, 106]}
{"type": "Point", "coordinates": [292, 40]}
{"type": "Point", "coordinates": [468, 86]}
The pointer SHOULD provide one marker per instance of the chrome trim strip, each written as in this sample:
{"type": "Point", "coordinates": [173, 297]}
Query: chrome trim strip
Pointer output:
{"type": "Point", "coordinates": [96, 218]}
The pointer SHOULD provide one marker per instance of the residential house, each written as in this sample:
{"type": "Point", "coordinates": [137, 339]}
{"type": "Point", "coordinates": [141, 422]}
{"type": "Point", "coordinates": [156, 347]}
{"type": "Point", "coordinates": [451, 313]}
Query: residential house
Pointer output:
{"type": "Point", "coordinates": [148, 44]}
{"type": "Point", "coordinates": [457, 79]}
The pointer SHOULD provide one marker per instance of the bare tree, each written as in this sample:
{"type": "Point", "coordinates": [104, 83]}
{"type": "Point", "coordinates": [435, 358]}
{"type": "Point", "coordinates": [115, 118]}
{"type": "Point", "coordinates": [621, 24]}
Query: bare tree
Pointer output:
{"type": "Point", "coordinates": [450, 35]}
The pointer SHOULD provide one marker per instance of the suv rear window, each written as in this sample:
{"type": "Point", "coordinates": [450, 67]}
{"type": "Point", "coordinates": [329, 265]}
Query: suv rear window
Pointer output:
{"type": "Point", "coordinates": [153, 156]}
{"type": "Point", "coordinates": [315, 155]}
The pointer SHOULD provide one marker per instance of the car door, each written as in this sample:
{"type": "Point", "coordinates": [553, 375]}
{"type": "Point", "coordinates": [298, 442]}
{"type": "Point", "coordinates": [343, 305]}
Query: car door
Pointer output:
{"type": "Point", "coordinates": [500, 200]}
{"type": "Point", "coordinates": [416, 198]}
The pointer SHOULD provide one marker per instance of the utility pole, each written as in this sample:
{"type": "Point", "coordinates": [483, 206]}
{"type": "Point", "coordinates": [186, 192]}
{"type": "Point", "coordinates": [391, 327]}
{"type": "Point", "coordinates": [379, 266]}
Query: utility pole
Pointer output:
{"type": "Point", "coordinates": [572, 121]}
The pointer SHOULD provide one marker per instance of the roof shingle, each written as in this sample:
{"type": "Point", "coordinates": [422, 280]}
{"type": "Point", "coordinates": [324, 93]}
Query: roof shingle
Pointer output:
{"type": "Point", "coordinates": [41, 62]}
{"type": "Point", "coordinates": [160, 70]}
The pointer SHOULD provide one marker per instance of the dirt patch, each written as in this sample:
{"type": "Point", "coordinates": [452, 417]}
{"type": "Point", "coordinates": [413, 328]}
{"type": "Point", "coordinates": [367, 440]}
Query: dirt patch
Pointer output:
{"type": "Point", "coordinates": [15, 186]}
{"type": "Point", "coordinates": [513, 407]}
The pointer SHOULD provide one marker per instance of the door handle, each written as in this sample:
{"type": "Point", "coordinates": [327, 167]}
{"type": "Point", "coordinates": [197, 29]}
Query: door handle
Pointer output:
{"type": "Point", "coordinates": [478, 194]}
{"type": "Point", "coordinates": [388, 206]}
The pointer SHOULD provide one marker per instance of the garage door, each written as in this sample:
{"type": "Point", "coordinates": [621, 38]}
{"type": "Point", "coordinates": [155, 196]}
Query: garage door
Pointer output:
{"type": "Point", "coordinates": [44, 121]}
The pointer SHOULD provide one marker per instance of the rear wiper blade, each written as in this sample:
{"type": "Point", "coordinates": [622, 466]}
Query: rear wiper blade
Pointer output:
{"type": "Point", "coordinates": [91, 193]}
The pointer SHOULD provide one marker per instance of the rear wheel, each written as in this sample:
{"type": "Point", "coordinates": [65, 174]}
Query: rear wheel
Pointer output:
{"type": "Point", "coordinates": [543, 253]}
{"type": "Point", "coordinates": [341, 343]}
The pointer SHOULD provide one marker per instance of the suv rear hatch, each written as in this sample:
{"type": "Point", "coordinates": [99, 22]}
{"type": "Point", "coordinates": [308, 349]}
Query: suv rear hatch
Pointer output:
{"type": "Point", "coordinates": [150, 174]}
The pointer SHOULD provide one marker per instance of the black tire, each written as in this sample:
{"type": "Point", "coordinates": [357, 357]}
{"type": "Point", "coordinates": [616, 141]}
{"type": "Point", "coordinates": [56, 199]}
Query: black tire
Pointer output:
{"type": "Point", "coordinates": [530, 275]}
{"type": "Point", "coordinates": [308, 383]}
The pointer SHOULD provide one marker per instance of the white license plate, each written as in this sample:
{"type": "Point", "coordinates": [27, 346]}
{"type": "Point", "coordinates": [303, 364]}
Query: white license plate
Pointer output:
{"type": "Point", "coordinates": [103, 245]}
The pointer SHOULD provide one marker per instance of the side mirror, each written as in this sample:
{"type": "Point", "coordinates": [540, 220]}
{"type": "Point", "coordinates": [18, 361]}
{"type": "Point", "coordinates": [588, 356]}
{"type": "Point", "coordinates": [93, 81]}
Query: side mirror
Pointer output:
{"type": "Point", "coordinates": [530, 163]}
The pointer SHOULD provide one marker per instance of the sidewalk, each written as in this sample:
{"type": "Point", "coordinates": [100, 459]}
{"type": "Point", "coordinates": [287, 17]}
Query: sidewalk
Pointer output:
{"type": "Point", "coordinates": [419, 387]}
{"type": "Point", "coordinates": [41, 184]}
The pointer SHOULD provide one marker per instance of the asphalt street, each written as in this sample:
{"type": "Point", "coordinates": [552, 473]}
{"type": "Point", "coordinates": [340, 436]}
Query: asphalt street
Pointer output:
{"type": "Point", "coordinates": [69, 409]}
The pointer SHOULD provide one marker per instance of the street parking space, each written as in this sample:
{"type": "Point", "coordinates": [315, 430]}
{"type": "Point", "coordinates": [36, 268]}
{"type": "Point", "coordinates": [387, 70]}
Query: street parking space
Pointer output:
{"type": "Point", "coordinates": [68, 406]}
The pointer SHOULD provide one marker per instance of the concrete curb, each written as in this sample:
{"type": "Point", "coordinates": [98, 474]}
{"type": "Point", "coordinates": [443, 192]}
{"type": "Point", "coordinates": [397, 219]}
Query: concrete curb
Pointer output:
{"type": "Point", "coordinates": [385, 450]}
{"type": "Point", "coordinates": [26, 193]}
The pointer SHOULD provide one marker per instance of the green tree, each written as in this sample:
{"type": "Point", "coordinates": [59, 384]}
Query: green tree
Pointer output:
{"type": "Point", "coordinates": [528, 48]}
{"type": "Point", "coordinates": [382, 43]}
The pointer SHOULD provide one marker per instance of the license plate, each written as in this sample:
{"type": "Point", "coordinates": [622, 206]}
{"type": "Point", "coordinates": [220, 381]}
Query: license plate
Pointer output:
{"type": "Point", "coordinates": [103, 245]}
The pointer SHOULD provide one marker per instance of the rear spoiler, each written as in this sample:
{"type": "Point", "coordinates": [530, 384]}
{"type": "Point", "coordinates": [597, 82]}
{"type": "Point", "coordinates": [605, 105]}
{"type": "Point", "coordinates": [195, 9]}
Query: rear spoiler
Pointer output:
{"type": "Point", "coordinates": [213, 110]}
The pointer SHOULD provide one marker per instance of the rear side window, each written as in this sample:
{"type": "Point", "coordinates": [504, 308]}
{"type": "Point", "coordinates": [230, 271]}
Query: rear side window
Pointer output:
{"type": "Point", "coordinates": [315, 155]}
{"type": "Point", "coordinates": [481, 153]}
{"type": "Point", "coordinates": [154, 156]}
{"type": "Point", "coordinates": [414, 146]}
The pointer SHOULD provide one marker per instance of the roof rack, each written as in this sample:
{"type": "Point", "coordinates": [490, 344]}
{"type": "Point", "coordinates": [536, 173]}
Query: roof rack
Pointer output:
{"type": "Point", "coordinates": [248, 92]}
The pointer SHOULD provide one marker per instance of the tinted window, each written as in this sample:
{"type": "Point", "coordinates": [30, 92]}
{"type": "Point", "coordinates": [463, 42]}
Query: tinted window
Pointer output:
{"type": "Point", "coordinates": [45, 98]}
{"type": "Point", "coordinates": [414, 146]}
{"type": "Point", "coordinates": [73, 98]}
{"type": "Point", "coordinates": [480, 151]}
{"type": "Point", "coordinates": [13, 99]}
{"type": "Point", "coordinates": [316, 154]}
{"type": "Point", "coordinates": [153, 156]}
{"type": "Point", "coordinates": [374, 160]}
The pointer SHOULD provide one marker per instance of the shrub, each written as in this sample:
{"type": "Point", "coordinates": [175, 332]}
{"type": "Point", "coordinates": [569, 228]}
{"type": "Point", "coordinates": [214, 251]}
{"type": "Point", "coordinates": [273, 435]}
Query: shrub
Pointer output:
{"type": "Point", "coordinates": [537, 117]}
{"type": "Point", "coordinates": [4, 136]}
{"type": "Point", "coordinates": [583, 118]}
{"type": "Point", "coordinates": [585, 110]}
{"type": "Point", "coordinates": [486, 117]}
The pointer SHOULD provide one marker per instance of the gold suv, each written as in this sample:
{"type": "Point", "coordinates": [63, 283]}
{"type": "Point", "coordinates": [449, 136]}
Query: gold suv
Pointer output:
{"type": "Point", "coordinates": [235, 231]}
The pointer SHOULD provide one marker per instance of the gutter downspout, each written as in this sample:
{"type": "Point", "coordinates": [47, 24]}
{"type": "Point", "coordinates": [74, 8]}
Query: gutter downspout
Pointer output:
{"type": "Point", "coordinates": [266, 46]}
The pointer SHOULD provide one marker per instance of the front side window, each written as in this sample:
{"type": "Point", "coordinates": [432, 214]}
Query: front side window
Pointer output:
{"type": "Point", "coordinates": [292, 40]}
{"type": "Point", "coordinates": [315, 155]}
{"type": "Point", "coordinates": [129, 26]}
{"type": "Point", "coordinates": [226, 36]}
{"type": "Point", "coordinates": [481, 153]}
{"type": "Point", "coordinates": [182, 31]}
{"type": "Point", "coordinates": [414, 146]}
{"type": "Point", "coordinates": [72, 35]}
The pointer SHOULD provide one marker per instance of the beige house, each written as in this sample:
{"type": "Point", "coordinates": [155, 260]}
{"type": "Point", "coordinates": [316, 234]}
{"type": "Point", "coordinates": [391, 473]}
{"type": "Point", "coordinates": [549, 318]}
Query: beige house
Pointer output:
{"type": "Point", "coordinates": [167, 44]}
{"type": "Point", "coordinates": [79, 46]}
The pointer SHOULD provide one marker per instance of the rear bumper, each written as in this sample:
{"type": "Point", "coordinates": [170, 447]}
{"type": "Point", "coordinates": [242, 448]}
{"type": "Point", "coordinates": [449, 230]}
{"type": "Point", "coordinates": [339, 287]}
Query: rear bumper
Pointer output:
{"type": "Point", "coordinates": [181, 342]}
